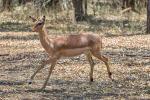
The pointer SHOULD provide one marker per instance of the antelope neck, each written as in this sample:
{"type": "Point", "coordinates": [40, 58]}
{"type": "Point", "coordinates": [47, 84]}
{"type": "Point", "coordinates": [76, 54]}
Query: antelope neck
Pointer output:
{"type": "Point", "coordinates": [45, 41]}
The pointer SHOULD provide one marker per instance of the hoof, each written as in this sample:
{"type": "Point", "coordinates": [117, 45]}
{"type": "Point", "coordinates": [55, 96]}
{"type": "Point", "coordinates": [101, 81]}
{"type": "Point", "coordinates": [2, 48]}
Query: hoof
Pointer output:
{"type": "Point", "coordinates": [91, 80]}
{"type": "Point", "coordinates": [29, 81]}
{"type": "Point", "coordinates": [110, 74]}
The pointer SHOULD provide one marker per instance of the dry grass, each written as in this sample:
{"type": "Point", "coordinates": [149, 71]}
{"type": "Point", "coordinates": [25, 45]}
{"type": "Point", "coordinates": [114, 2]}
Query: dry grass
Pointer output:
{"type": "Point", "coordinates": [129, 62]}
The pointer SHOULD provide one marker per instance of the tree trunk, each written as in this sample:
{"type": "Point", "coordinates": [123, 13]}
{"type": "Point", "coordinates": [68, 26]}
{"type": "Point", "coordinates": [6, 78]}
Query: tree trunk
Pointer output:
{"type": "Point", "coordinates": [85, 7]}
{"type": "Point", "coordinates": [7, 5]}
{"type": "Point", "coordinates": [22, 2]}
{"type": "Point", "coordinates": [148, 16]}
{"type": "Point", "coordinates": [79, 9]}
{"type": "Point", "coordinates": [128, 3]}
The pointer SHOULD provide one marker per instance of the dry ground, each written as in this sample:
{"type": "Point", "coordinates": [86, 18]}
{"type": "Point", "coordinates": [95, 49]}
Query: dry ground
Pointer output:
{"type": "Point", "coordinates": [21, 53]}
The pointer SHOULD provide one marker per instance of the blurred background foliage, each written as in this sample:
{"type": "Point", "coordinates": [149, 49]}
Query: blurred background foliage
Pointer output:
{"type": "Point", "coordinates": [122, 16]}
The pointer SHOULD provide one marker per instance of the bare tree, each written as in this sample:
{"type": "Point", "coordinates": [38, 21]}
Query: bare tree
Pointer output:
{"type": "Point", "coordinates": [7, 5]}
{"type": "Point", "coordinates": [23, 1]}
{"type": "Point", "coordinates": [148, 16]}
{"type": "Point", "coordinates": [80, 7]}
{"type": "Point", "coordinates": [133, 5]}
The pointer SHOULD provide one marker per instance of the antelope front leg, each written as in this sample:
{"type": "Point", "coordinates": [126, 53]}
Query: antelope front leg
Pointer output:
{"type": "Point", "coordinates": [91, 62]}
{"type": "Point", "coordinates": [50, 71]}
{"type": "Point", "coordinates": [39, 68]}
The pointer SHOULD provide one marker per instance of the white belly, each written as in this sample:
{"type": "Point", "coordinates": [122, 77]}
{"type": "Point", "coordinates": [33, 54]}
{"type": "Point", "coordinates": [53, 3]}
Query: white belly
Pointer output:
{"type": "Point", "coordinates": [74, 52]}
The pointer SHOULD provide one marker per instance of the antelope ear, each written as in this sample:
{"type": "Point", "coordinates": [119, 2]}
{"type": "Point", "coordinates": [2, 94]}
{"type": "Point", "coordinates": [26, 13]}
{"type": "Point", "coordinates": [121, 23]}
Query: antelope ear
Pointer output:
{"type": "Point", "coordinates": [33, 19]}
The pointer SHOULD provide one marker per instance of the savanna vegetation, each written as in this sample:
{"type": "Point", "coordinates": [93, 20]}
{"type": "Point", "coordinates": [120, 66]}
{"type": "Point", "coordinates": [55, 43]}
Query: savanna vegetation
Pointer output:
{"type": "Point", "coordinates": [124, 26]}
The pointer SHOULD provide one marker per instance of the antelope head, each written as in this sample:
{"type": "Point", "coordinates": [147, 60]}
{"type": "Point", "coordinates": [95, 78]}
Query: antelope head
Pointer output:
{"type": "Point", "coordinates": [39, 24]}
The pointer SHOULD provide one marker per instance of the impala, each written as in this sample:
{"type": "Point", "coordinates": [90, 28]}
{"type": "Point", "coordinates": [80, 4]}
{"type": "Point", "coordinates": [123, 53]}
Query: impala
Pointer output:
{"type": "Point", "coordinates": [66, 46]}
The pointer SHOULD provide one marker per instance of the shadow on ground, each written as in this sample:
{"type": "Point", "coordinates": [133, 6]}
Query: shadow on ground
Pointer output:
{"type": "Point", "coordinates": [14, 27]}
{"type": "Point", "coordinates": [11, 83]}
{"type": "Point", "coordinates": [82, 89]}
{"type": "Point", "coordinates": [24, 38]}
